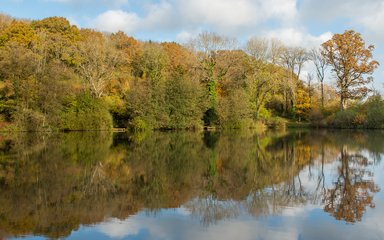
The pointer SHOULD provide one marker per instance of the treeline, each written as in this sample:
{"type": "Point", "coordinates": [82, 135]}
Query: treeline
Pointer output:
{"type": "Point", "coordinates": [55, 76]}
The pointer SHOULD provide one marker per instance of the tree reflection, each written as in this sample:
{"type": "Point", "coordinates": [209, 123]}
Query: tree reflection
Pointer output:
{"type": "Point", "coordinates": [210, 210]}
{"type": "Point", "coordinates": [50, 185]}
{"type": "Point", "coordinates": [353, 189]}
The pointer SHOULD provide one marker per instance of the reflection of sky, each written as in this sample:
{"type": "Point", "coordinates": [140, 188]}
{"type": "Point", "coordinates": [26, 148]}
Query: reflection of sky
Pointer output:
{"type": "Point", "coordinates": [302, 222]}
{"type": "Point", "coordinates": [292, 222]}
{"type": "Point", "coordinates": [306, 223]}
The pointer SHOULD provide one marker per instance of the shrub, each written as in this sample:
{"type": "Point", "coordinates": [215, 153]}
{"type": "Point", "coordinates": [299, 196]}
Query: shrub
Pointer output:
{"type": "Point", "coordinates": [210, 117]}
{"type": "Point", "coordinates": [264, 113]}
{"type": "Point", "coordinates": [277, 123]}
{"type": "Point", "coordinates": [316, 115]}
{"type": "Point", "coordinates": [30, 120]}
{"type": "Point", "coordinates": [234, 109]}
{"type": "Point", "coordinates": [375, 112]}
{"type": "Point", "coordinates": [138, 125]}
{"type": "Point", "coordinates": [85, 113]}
{"type": "Point", "coordinates": [349, 118]}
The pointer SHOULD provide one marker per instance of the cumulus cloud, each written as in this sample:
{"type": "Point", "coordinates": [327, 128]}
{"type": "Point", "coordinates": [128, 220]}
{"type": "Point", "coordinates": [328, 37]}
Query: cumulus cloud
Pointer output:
{"type": "Point", "coordinates": [296, 37]}
{"type": "Point", "coordinates": [115, 228]}
{"type": "Point", "coordinates": [365, 16]}
{"type": "Point", "coordinates": [305, 23]}
{"type": "Point", "coordinates": [185, 36]}
{"type": "Point", "coordinates": [240, 13]}
{"type": "Point", "coordinates": [329, 10]}
{"type": "Point", "coordinates": [220, 14]}
{"type": "Point", "coordinates": [112, 2]}
{"type": "Point", "coordinates": [116, 20]}
{"type": "Point", "coordinates": [305, 222]}
{"type": "Point", "coordinates": [372, 22]}
{"type": "Point", "coordinates": [231, 17]}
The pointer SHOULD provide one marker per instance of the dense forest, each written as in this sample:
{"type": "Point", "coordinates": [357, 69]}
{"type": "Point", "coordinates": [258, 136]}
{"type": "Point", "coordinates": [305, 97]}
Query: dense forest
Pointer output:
{"type": "Point", "coordinates": [55, 76]}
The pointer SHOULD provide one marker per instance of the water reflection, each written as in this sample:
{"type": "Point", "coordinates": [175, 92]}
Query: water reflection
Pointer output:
{"type": "Point", "coordinates": [53, 185]}
{"type": "Point", "coordinates": [353, 189]}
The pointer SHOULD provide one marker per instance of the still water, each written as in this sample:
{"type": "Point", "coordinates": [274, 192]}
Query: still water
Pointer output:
{"type": "Point", "coordinates": [239, 185]}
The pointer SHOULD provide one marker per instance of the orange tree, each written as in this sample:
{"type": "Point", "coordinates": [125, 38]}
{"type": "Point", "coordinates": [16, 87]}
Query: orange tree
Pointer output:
{"type": "Point", "coordinates": [351, 61]}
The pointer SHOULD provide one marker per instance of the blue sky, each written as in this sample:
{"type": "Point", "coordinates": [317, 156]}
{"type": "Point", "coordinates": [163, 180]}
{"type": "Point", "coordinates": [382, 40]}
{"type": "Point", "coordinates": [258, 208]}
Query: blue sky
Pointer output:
{"type": "Point", "coordinates": [305, 23]}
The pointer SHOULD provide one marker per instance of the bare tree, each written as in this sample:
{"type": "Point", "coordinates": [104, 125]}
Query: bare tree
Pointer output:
{"type": "Point", "coordinates": [293, 59]}
{"type": "Point", "coordinates": [258, 49]}
{"type": "Point", "coordinates": [310, 87]}
{"type": "Point", "coordinates": [207, 47]}
{"type": "Point", "coordinates": [276, 49]}
{"type": "Point", "coordinates": [98, 61]}
{"type": "Point", "coordinates": [321, 65]}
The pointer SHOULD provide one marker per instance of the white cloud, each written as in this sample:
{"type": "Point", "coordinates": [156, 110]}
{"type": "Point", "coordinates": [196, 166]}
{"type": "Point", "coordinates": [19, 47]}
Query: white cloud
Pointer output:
{"type": "Point", "coordinates": [329, 10]}
{"type": "Point", "coordinates": [115, 228]}
{"type": "Point", "coordinates": [111, 2]}
{"type": "Point", "coordinates": [296, 37]}
{"type": "Point", "coordinates": [159, 16]}
{"type": "Point", "coordinates": [373, 23]}
{"type": "Point", "coordinates": [366, 16]}
{"type": "Point", "coordinates": [220, 13]}
{"type": "Point", "coordinates": [184, 36]}
{"type": "Point", "coordinates": [285, 10]}
{"type": "Point", "coordinates": [294, 223]}
{"type": "Point", "coordinates": [306, 23]}
{"type": "Point", "coordinates": [231, 17]}
{"type": "Point", "coordinates": [113, 21]}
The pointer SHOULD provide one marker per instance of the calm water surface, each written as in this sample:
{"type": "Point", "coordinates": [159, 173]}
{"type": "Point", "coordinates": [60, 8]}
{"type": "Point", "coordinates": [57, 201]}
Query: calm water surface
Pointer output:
{"type": "Point", "coordinates": [287, 185]}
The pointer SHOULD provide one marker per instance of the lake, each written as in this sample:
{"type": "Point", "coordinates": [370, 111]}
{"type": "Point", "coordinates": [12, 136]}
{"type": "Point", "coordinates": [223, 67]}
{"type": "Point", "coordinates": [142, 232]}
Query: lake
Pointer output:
{"type": "Point", "coordinates": [182, 185]}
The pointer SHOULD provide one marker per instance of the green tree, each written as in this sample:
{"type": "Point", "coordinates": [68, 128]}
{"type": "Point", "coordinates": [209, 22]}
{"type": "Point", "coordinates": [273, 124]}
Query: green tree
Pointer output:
{"type": "Point", "coordinates": [183, 100]}
{"type": "Point", "coordinates": [146, 99]}
{"type": "Point", "coordinates": [207, 47]}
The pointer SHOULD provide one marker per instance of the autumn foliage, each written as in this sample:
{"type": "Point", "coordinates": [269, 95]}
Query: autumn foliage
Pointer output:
{"type": "Point", "coordinates": [48, 68]}
{"type": "Point", "coordinates": [351, 61]}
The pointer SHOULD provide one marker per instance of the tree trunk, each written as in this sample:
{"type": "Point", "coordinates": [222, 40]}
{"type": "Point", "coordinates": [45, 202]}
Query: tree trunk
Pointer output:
{"type": "Point", "coordinates": [322, 95]}
{"type": "Point", "coordinates": [343, 103]}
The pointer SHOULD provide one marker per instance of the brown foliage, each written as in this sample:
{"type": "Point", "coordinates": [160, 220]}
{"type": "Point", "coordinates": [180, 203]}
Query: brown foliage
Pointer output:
{"type": "Point", "coordinates": [351, 60]}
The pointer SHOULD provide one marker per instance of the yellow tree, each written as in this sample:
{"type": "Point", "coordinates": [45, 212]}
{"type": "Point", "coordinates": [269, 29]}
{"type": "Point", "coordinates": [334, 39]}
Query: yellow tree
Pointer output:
{"type": "Point", "coordinates": [262, 74]}
{"type": "Point", "coordinates": [98, 63]}
{"type": "Point", "coordinates": [303, 102]}
{"type": "Point", "coordinates": [351, 61]}
{"type": "Point", "coordinates": [58, 39]}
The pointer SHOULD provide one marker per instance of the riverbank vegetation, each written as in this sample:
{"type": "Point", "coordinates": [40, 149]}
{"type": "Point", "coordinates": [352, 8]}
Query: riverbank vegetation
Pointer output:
{"type": "Point", "coordinates": [55, 76]}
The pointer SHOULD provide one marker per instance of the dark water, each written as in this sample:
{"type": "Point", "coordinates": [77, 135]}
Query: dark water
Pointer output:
{"type": "Point", "coordinates": [292, 185]}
